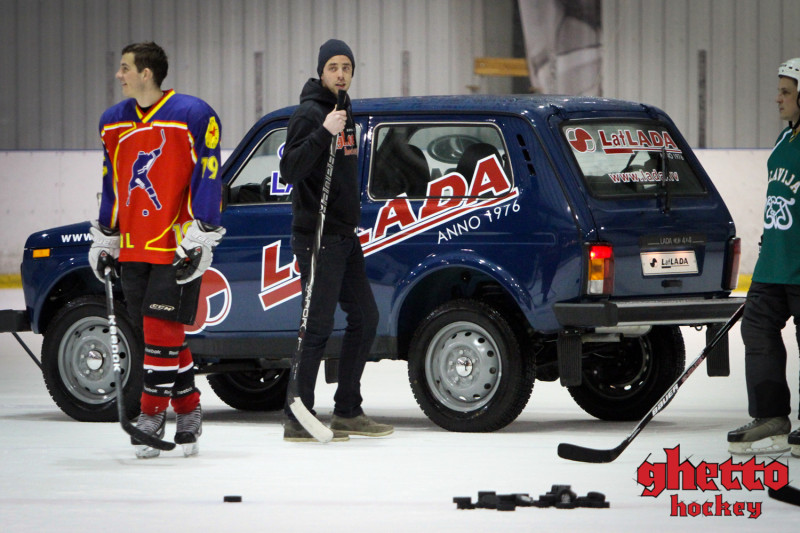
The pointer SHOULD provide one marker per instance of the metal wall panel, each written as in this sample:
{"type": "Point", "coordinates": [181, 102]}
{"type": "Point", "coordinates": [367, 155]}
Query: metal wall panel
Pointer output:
{"type": "Point", "coordinates": [9, 25]}
{"type": "Point", "coordinates": [245, 57]}
{"type": "Point", "coordinates": [651, 55]}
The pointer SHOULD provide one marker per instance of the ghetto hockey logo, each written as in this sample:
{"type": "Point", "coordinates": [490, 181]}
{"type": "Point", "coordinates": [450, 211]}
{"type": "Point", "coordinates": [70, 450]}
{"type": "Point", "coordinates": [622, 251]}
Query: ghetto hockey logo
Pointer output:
{"type": "Point", "coordinates": [674, 474]}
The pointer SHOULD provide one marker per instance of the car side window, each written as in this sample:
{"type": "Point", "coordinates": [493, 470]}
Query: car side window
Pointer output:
{"type": "Point", "coordinates": [436, 160]}
{"type": "Point", "coordinates": [259, 179]}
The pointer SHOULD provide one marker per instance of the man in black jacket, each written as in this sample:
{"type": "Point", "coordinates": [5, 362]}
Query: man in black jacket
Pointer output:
{"type": "Point", "coordinates": [340, 276]}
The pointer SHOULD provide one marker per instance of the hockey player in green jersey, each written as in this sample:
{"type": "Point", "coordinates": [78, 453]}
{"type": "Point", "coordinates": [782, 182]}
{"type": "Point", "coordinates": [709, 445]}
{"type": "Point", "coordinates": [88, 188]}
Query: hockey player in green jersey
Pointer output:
{"type": "Point", "coordinates": [774, 295]}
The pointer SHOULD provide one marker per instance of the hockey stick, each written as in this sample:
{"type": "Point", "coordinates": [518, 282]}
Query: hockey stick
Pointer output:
{"type": "Point", "coordinates": [130, 429]}
{"type": "Point", "coordinates": [786, 494]}
{"type": "Point", "coordinates": [317, 429]}
{"type": "Point", "coordinates": [593, 455]}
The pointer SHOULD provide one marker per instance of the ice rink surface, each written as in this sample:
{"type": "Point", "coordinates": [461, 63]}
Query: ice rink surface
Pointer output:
{"type": "Point", "coordinates": [60, 475]}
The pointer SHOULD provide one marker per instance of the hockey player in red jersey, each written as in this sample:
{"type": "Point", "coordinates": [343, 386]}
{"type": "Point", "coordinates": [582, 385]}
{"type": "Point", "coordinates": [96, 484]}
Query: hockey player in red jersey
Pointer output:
{"type": "Point", "coordinates": [159, 223]}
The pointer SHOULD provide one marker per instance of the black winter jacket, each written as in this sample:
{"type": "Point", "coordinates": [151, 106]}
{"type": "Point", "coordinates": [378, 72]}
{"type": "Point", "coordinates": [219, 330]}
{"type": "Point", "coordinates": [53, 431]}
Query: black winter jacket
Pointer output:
{"type": "Point", "coordinates": [305, 158]}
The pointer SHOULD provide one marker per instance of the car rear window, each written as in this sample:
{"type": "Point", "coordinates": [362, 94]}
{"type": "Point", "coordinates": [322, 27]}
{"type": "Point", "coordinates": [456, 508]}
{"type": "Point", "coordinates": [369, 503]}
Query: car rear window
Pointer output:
{"type": "Point", "coordinates": [625, 159]}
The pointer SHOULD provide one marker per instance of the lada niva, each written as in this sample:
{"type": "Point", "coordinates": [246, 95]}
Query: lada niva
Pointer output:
{"type": "Point", "coordinates": [507, 239]}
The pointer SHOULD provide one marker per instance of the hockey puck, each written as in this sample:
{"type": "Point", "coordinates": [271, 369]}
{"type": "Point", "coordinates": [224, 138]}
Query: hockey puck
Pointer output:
{"type": "Point", "coordinates": [232, 499]}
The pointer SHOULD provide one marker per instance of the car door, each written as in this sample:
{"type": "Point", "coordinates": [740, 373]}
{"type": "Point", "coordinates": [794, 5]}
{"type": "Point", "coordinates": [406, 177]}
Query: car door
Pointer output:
{"type": "Point", "coordinates": [252, 285]}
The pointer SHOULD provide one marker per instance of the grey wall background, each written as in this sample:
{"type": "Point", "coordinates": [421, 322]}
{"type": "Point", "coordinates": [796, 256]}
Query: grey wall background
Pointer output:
{"type": "Point", "coordinates": [247, 57]}
{"type": "Point", "coordinates": [650, 54]}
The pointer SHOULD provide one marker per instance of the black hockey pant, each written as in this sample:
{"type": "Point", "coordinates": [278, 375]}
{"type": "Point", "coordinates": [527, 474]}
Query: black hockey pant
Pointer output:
{"type": "Point", "coordinates": [341, 278]}
{"type": "Point", "coordinates": [768, 308]}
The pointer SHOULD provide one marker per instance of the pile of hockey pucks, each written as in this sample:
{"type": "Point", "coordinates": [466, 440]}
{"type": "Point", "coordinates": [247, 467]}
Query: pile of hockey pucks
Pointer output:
{"type": "Point", "coordinates": [559, 496]}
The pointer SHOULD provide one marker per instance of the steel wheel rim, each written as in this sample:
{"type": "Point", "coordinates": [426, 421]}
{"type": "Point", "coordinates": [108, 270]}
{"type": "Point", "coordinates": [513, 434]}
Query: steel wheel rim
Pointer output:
{"type": "Point", "coordinates": [85, 362]}
{"type": "Point", "coordinates": [631, 385]}
{"type": "Point", "coordinates": [256, 381]}
{"type": "Point", "coordinates": [463, 367]}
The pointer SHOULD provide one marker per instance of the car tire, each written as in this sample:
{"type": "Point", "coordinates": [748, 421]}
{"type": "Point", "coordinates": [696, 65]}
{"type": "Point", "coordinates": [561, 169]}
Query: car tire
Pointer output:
{"type": "Point", "coordinates": [623, 381]}
{"type": "Point", "coordinates": [466, 369]}
{"type": "Point", "coordinates": [77, 362]}
{"type": "Point", "coordinates": [263, 390]}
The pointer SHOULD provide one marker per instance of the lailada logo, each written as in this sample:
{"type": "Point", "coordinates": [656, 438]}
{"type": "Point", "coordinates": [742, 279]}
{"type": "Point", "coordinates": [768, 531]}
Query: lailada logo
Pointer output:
{"type": "Point", "coordinates": [674, 474]}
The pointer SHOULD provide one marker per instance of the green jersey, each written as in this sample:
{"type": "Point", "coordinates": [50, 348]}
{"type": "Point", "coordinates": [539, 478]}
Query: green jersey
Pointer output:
{"type": "Point", "coordinates": [779, 259]}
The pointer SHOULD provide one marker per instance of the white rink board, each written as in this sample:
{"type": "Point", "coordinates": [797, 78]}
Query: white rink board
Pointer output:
{"type": "Point", "coordinates": [47, 188]}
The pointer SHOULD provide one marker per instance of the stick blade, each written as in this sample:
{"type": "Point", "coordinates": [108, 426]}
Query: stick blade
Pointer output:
{"type": "Point", "coordinates": [574, 452]}
{"type": "Point", "coordinates": [146, 438]}
{"type": "Point", "coordinates": [317, 429]}
{"type": "Point", "coordinates": [785, 494]}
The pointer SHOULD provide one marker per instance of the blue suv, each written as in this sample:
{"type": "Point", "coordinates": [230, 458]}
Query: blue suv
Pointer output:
{"type": "Point", "coordinates": [507, 239]}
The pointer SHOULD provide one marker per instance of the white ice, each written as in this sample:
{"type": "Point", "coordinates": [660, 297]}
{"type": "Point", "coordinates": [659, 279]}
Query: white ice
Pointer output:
{"type": "Point", "coordinates": [57, 474]}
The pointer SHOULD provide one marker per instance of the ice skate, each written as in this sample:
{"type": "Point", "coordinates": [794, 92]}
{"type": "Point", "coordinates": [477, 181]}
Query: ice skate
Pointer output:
{"type": "Point", "coordinates": [794, 442]}
{"type": "Point", "coordinates": [360, 425]}
{"type": "Point", "coordinates": [295, 432]}
{"type": "Point", "coordinates": [761, 436]}
{"type": "Point", "coordinates": [190, 427]}
{"type": "Point", "coordinates": [152, 425]}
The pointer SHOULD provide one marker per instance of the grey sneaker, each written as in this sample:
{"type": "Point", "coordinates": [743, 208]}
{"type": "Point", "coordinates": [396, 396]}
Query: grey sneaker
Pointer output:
{"type": "Point", "coordinates": [794, 441]}
{"type": "Point", "coordinates": [773, 431]}
{"type": "Point", "coordinates": [152, 425]}
{"type": "Point", "coordinates": [293, 431]}
{"type": "Point", "coordinates": [190, 427]}
{"type": "Point", "coordinates": [360, 425]}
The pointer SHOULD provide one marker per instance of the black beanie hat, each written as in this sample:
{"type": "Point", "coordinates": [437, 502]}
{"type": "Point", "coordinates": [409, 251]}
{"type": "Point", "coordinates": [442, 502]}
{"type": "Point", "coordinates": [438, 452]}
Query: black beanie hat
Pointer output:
{"type": "Point", "coordinates": [333, 47]}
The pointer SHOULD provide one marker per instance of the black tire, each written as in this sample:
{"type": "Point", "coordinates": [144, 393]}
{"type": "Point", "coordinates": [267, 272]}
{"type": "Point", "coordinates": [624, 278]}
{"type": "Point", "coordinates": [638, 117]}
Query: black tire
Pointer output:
{"type": "Point", "coordinates": [622, 381]}
{"type": "Point", "coordinates": [77, 364]}
{"type": "Point", "coordinates": [263, 390]}
{"type": "Point", "coordinates": [466, 368]}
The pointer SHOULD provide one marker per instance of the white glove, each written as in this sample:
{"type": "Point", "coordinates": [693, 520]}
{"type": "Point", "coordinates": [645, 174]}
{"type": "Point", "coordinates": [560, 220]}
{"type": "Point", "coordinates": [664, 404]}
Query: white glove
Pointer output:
{"type": "Point", "coordinates": [195, 252]}
{"type": "Point", "coordinates": [104, 251]}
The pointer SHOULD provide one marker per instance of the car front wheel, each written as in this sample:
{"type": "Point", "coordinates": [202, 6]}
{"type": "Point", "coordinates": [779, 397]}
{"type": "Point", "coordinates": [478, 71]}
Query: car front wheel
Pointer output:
{"type": "Point", "coordinates": [77, 361]}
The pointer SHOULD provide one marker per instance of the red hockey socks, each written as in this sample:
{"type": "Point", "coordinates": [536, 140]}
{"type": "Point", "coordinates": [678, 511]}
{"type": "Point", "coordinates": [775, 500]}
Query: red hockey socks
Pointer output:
{"type": "Point", "coordinates": [163, 343]}
{"type": "Point", "coordinates": [185, 395]}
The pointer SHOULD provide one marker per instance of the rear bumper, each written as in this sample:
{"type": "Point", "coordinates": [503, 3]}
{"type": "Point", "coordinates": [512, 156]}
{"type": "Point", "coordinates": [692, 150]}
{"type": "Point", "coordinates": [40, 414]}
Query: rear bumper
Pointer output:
{"type": "Point", "coordinates": [11, 321]}
{"type": "Point", "coordinates": [682, 312]}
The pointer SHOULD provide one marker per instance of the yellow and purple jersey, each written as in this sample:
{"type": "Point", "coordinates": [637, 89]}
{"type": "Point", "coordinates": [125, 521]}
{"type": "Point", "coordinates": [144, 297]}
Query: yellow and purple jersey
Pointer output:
{"type": "Point", "coordinates": [159, 173]}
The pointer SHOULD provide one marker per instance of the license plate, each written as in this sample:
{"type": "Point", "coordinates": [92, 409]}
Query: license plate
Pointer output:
{"type": "Point", "coordinates": [668, 263]}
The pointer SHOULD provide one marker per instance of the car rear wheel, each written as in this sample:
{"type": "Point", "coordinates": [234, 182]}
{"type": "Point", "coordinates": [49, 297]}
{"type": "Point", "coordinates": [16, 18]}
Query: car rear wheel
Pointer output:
{"type": "Point", "coordinates": [263, 390]}
{"type": "Point", "coordinates": [623, 380]}
{"type": "Point", "coordinates": [466, 368]}
{"type": "Point", "coordinates": [77, 362]}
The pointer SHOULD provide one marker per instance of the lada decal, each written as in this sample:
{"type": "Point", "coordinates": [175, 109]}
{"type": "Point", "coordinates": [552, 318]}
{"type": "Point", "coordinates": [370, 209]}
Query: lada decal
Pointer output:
{"type": "Point", "coordinates": [214, 303]}
{"type": "Point", "coordinates": [400, 219]}
{"type": "Point", "coordinates": [451, 199]}
{"type": "Point", "coordinates": [621, 141]}
{"type": "Point", "coordinates": [76, 237]}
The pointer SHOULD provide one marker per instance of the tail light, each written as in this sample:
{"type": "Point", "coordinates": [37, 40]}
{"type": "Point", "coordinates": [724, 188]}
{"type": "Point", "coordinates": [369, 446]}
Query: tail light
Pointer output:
{"type": "Point", "coordinates": [600, 275]}
{"type": "Point", "coordinates": [733, 253]}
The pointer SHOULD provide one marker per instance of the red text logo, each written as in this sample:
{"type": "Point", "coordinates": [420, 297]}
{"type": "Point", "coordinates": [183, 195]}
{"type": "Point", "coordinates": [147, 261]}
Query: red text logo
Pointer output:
{"type": "Point", "coordinates": [675, 474]}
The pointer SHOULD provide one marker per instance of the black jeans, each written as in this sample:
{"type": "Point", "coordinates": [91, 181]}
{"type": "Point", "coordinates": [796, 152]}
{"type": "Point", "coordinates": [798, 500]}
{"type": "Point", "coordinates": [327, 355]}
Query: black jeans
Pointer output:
{"type": "Point", "coordinates": [341, 278]}
{"type": "Point", "coordinates": [768, 308]}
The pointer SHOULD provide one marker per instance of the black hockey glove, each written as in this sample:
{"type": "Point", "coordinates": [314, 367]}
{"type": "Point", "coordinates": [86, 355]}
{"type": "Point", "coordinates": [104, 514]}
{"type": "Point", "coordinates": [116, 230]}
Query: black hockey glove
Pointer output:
{"type": "Point", "coordinates": [104, 251]}
{"type": "Point", "coordinates": [195, 252]}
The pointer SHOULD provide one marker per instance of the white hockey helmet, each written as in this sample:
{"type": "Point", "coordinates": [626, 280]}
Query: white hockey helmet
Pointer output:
{"type": "Point", "coordinates": [791, 69]}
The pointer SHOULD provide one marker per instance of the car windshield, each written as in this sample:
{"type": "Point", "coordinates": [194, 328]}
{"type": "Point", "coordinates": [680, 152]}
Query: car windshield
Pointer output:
{"type": "Point", "coordinates": [626, 159]}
